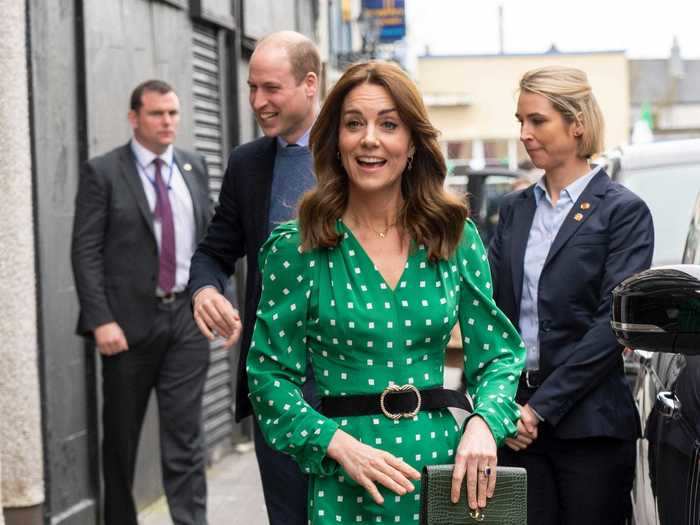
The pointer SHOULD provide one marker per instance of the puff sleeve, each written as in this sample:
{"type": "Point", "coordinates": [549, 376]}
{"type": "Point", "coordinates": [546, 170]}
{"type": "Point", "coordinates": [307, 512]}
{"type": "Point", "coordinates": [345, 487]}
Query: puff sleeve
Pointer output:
{"type": "Point", "coordinates": [277, 359]}
{"type": "Point", "coordinates": [494, 354]}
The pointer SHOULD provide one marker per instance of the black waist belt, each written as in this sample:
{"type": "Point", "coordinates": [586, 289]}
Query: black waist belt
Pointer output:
{"type": "Point", "coordinates": [171, 297]}
{"type": "Point", "coordinates": [395, 402]}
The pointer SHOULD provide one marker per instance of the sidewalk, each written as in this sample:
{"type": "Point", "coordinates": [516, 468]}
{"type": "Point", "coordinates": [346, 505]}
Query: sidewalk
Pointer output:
{"type": "Point", "coordinates": [235, 494]}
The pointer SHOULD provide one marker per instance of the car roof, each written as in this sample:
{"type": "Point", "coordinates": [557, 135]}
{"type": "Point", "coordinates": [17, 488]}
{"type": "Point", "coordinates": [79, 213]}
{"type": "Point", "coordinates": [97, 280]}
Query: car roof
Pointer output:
{"type": "Point", "coordinates": [639, 156]}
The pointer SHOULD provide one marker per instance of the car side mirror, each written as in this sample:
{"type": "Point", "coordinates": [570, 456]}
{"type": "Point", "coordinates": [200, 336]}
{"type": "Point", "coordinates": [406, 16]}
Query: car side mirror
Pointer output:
{"type": "Point", "coordinates": [659, 310]}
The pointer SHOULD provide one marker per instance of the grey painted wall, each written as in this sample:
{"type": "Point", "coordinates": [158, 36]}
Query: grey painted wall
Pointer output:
{"type": "Point", "coordinates": [127, 42]}
{"type": "Point", "coordinates": [248, 127]}
{"type": "Point", "coordinates": [69, 429]}
{"type": "Point", "coordinates": [265, 16]}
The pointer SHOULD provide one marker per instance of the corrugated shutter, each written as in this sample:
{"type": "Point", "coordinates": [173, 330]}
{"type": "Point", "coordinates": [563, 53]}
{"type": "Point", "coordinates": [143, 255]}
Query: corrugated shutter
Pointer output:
{"type": "Point", "coordinates": [208, 110]}
{"type": "Point", "coordinates": [208, 139]}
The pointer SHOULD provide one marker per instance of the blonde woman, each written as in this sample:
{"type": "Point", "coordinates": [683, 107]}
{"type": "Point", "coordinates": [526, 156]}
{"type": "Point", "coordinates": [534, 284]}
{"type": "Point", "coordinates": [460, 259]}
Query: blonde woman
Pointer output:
{"type": "Point", "coordinates": [560, 247]}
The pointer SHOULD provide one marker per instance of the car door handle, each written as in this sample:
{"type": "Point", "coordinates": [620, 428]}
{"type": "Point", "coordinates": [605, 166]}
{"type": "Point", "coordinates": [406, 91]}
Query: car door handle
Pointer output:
{"type": "Point", "coordinates": [668, 405]}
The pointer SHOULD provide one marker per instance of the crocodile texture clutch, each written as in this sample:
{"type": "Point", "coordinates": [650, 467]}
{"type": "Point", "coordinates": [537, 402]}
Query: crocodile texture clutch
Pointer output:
{"type": "Point", "coordinates": [508, 506]}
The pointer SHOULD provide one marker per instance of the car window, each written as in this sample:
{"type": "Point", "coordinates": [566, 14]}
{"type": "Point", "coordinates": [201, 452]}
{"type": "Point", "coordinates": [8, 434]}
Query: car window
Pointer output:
{"type": "Point", "coordinates": [669, 191]}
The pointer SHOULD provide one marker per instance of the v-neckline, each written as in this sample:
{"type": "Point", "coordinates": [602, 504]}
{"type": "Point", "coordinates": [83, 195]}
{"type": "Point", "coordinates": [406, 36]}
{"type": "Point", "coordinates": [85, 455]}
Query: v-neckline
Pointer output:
{"type": "Point", "coordinates": [412, 248]}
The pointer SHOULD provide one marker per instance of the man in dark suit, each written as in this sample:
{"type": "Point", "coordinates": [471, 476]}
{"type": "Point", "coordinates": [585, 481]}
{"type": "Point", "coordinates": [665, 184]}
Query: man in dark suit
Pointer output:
{"type": "Point", "coordinates": [263, 181]}
{"type": "Point", "coordinates": [139, 212]}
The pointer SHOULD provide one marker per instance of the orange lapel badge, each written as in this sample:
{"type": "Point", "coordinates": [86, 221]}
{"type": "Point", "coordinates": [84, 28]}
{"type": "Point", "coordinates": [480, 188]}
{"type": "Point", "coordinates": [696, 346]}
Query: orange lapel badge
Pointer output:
{"type": "Point", "coordinates": [585, 205]}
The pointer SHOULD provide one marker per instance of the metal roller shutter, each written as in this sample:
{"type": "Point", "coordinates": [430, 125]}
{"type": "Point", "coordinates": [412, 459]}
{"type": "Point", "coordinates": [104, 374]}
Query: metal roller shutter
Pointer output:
{"type": "Point", "coordinates": [208, 140]}
{"type": "Point", "coordinates": [208, 110]}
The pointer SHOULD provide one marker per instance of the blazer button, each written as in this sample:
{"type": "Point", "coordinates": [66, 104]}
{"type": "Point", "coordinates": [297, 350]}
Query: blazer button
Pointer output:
{"type": "Point", "coordinates": [546, 326]}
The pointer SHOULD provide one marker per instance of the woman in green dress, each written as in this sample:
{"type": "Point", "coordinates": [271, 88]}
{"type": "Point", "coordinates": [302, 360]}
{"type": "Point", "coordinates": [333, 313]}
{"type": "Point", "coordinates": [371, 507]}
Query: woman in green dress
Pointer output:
{"type": "Point", "coordinates": [367, 285]}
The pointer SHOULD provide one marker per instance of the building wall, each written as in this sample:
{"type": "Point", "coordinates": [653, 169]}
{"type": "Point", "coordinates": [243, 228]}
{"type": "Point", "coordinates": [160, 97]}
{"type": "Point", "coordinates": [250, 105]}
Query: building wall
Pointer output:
{"type": "Point", "coordinates": [68, 382]}
{"type": "Point", "coordinates": [21, 459]}
{"type": "Point", "coordinates": [265, 16]}
{"type": "Point", "coordinates": [679, 117]}
{"type": "Point", "coordinates": [489, 83]}
{"type": "Point", "coordinates": [127, 42]}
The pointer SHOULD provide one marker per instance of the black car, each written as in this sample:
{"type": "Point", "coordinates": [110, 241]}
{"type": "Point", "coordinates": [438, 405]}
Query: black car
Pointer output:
{"type": "Point", "coordinates": [657, 313]}
{"type": "Point", "coordinates": [485, 189]}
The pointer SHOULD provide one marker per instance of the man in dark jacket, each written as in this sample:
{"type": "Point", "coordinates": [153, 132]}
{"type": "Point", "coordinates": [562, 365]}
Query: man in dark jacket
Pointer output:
{"type": "Point", "coordinates": [139, 212]}
{"type": "Point", "coordinates": [263, 181]}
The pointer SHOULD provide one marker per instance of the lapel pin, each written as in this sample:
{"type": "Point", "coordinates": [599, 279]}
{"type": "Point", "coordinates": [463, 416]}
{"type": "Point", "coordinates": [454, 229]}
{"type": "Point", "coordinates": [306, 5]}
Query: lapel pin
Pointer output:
{"type": "Point", "coordinates": [578, 217]}
{"type": "Point", "coordinates": [585, 205]}
{"type": "Point", "coordinates": [187, 166]}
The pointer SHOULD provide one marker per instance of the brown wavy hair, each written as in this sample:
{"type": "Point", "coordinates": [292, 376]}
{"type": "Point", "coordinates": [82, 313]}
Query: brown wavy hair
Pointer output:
{"type": "Point", "coordinates": [432, 216]}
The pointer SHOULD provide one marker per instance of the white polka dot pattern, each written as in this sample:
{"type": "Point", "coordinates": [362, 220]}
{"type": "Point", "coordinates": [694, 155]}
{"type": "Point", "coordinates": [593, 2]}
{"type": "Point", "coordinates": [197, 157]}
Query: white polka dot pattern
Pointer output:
{"type": "Point", "coordinates": [335, 308]}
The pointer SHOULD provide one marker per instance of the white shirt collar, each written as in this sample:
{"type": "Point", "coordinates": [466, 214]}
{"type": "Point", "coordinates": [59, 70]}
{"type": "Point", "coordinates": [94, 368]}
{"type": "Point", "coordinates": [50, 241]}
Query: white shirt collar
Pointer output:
{"type": "Point", "coordinates": [302, 141]}
{"type": "Point", "coordinates": [145, 157]}
{"type": "Point", "coordinates": [573, 190]}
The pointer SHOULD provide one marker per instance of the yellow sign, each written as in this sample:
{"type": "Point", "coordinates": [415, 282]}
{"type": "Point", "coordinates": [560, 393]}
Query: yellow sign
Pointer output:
{"type": "Point", "coordinates": [347, 10]}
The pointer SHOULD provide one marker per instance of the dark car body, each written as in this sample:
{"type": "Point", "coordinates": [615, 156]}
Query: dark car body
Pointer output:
{"type": "Point", "coordinates": [657, 312]}
{"type": "Point", "coordinates": [485, 189]}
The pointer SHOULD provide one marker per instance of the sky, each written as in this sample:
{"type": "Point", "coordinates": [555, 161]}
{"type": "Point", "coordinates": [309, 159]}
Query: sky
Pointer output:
{"type": "Point", "coordinates": [642, 28]}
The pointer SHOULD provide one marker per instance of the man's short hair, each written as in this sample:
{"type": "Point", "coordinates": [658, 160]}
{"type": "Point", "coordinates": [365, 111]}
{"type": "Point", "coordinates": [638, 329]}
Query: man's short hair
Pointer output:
{"type": "Point", "coordinates": [304, 57]}
{"type": "Point", "coordinates": [159, 86]}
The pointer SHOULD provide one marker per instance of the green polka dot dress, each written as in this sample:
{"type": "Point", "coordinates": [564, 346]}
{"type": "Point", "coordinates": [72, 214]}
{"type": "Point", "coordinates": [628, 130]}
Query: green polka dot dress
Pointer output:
{"type": "Point", "coordinates": [333, 307]}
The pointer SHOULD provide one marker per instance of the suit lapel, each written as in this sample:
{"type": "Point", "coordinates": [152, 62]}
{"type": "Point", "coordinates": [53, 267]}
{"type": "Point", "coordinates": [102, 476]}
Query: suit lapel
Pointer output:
{"type": "Point", "coordinates": [523, 213]}
{"type": "Point", "coordinates": [262, 181]}
{"type": "Point", "coordinates": [192, 183]}
{"type": "Point", "coordinates": [133, 181]}
{"type": "Point", "coordinates": [579, 214]}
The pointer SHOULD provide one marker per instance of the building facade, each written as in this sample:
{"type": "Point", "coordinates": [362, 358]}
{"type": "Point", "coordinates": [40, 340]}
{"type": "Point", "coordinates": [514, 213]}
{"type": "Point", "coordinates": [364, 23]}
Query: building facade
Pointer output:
{"type": "Point", "coordinates": [472, 100]}
{"type": "Point", "coordinates": [665, 93]}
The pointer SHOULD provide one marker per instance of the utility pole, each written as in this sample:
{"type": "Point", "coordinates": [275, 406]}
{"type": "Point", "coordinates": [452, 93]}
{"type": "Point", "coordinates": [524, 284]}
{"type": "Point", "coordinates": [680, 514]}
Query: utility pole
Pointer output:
{"type": "Point", "coordinates": [500, 29]}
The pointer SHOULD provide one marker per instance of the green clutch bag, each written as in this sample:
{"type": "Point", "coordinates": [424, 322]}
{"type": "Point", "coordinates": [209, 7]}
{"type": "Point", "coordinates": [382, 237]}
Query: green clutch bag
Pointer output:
{"type": "Point", "coordinates": [508, 506]}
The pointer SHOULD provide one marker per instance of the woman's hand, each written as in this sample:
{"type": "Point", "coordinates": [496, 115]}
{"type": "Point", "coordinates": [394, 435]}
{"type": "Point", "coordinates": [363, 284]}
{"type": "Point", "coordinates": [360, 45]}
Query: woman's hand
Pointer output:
{"type": "Point", "coordinates": [476, 457]}
{"type": "Point", "coordinates": [368, 465]}
{"type": "Point", "coordinates": [527, 429]}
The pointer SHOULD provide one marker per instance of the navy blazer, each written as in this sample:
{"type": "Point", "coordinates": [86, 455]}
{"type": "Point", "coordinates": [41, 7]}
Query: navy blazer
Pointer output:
{"type": "Point", "coordinates": [239, 228]}
{"type": "Point", "coordinates": [607, 236]}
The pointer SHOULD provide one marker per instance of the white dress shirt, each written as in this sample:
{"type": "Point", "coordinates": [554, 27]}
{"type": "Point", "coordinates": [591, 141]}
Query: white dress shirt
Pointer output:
{"type": "Point", "coordinates": [180, 202]}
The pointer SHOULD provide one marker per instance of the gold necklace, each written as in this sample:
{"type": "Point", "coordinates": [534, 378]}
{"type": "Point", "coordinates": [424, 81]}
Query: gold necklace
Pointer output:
{"type": "Point", "coordinates": [382, 234]}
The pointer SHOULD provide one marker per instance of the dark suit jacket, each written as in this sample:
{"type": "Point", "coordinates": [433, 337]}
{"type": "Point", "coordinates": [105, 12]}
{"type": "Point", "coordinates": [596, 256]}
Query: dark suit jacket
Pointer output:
{"type": "Point", "coordinates": [584, 393]}
{"type": "Point", "coordinates": [239, 228]}
{"type": "Point", "coordinates": [114, 250]}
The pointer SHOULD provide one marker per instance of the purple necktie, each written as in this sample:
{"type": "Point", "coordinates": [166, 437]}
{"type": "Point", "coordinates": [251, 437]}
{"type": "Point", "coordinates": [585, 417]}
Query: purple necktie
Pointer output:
{"type": "Point", "coordinates": [163, 211]}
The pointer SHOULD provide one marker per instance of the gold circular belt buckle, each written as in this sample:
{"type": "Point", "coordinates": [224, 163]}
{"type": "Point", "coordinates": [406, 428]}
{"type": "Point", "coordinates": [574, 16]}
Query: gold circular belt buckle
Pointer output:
{"type": "Point", "coordinates": [477, 515]}
{"type": "Point", "coordinates": [394, 389]}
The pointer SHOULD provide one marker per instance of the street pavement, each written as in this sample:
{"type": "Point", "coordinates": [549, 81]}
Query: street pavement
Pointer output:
{"type": "Point", "coordinates": [235, 494]}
